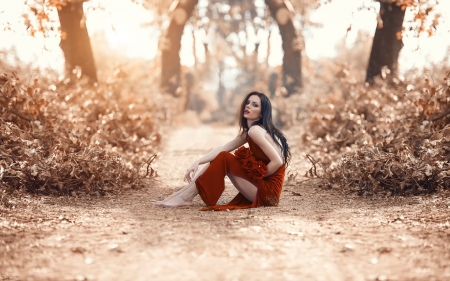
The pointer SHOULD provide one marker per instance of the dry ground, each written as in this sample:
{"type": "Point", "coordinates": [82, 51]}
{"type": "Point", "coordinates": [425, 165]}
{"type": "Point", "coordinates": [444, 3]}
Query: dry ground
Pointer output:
{"type": "Point", "coordinates": [314, 234]}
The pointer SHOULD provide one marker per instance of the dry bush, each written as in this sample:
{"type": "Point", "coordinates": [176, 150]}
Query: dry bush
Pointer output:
{"type": "Point", "coordinates": [395, 137]}
{"type": "Point", "coordinates": [66, 136]}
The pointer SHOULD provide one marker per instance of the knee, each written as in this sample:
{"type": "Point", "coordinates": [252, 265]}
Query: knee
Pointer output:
{"type": "Point", "coordinates": [222, 155]}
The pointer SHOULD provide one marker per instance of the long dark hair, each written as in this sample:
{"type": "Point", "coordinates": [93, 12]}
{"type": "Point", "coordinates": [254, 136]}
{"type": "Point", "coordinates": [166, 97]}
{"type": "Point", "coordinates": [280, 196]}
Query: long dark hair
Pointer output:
{"type": "Point", "coordinates": [266, 122]}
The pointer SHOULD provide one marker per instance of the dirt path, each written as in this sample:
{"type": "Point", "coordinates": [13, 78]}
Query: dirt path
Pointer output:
{"type": "Point", "coordinates": [314, 234]}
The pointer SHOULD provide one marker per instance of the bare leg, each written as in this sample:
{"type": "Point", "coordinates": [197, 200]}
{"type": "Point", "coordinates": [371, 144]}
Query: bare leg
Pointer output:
{"type": "Point", "coordinates": [245, 187]}
{"type": "Point", "coordinates": [182, 199]}
{"type": "Point", "coordinates": [185, 197]}
{"type": "Point", "coordinates": [183, 189]}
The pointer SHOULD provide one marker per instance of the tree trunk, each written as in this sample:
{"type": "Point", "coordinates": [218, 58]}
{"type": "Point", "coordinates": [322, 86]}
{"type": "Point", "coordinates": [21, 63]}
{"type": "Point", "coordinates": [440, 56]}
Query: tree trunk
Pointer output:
{"type": "Point", "coordinates": [171, 44]}
{"type": "Point", "coordinates": [75, 42]}
{"type": "Point", "coordinates": [386, 43]}
{"type": "Point", "coordinates": [292, 75]}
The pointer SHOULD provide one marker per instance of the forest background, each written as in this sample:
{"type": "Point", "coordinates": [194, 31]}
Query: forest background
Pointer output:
{"type": "Point", "coordinates": [388, 108]}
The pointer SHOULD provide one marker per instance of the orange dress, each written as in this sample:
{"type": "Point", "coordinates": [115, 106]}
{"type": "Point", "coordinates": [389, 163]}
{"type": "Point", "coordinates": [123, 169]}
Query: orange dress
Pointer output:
{"type": "Point", "coordinates": [211, 183]}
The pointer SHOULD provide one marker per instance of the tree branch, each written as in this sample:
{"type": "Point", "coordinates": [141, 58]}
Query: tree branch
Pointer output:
{"type": "Point", "coordinates": [21, 116]}
{"type": "Point", "coordinates": [441, 116]}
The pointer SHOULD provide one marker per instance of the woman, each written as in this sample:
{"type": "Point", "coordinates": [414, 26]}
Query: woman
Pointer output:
{"type": "Point", "coordinates": [256, 172]}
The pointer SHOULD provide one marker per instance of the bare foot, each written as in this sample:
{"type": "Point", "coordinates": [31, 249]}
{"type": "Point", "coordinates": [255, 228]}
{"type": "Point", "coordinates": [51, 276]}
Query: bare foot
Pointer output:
{"type": "Point", "coordinates": [159, 202]}
{"type": "Point", "coordinates": [176, 193]}
{"type": "Point", "coordinates": [176, 201]}
{"type": "Point", "coordinates": [183, 197]}
{"type": "Point", "coordinates": [168, 198]}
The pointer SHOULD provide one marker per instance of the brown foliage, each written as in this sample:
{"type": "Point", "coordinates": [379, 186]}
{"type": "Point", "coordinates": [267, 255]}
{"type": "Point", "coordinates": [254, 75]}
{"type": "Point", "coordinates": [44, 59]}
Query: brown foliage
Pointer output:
{"type": "Point", "coordinates": [66, 137]}
{"type": "Point", "coordinates": [397, 137]}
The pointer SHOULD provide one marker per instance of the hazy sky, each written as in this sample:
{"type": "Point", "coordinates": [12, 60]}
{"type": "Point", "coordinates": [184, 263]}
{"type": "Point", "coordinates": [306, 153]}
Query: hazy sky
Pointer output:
{"type": "Point", "coordinates": [139, 42]}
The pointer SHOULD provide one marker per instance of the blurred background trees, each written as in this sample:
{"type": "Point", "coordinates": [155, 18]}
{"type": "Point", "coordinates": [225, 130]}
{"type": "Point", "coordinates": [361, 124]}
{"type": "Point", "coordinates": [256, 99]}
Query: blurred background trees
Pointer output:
{"type": "Point", "coordinates": [75, 41]}
{"type": "Point", "coordinates": [387, 41]}
{"type": "Point", "coordinates": [235, 22]}
{"type": "Point", "coordinates": [226, 38]}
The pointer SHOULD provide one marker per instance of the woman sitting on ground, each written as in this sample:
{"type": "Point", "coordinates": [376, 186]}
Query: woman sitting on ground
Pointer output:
{"type": "Point", "coordinates": [257, 172]}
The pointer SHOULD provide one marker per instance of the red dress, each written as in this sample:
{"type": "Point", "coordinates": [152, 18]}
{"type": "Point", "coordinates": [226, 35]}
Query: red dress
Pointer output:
{"type": "Point", "coordinates": [211, 183]}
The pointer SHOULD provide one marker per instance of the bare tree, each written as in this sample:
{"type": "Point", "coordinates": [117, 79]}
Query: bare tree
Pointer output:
{"type": "Point", "coordinates": [387, 41]}
{"type": "Point", "coordinates": [170, 44]}
{"type": "Point", "coordinates": [282, 11]}
{"type": "Point", "coordinates": [75, 42]}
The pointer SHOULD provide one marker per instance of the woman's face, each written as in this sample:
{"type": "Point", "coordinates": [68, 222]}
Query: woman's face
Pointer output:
{"type": "Point", "coordinates": [252, 109]}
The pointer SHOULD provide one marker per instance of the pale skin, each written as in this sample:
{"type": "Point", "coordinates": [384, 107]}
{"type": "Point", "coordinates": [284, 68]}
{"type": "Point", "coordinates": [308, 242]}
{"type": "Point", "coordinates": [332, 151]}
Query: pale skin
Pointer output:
{"type": "Point", "coordinates": [252, 112]}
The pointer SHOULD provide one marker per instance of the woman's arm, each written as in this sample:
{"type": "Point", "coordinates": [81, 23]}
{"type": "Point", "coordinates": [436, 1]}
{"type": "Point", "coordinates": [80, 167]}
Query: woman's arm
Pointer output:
{"type": "Point", "coordinates": [229, 146]}
{"type": "Point", "coordinates": [258, 135]}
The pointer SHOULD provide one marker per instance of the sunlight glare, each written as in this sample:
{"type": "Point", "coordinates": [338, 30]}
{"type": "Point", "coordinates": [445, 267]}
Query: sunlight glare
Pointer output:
{"type": "Point", "coordinates": [276, 53]}
{"type": "Point", "coordinates": [36, 51]}
{"type": "Point", "coordinates": [122, 26]}
{"type": "Point", "coordinates": [263, 36]}
{"type": "Point", "coordinates": [121, 23]}
{"type": "Point", "coordinates": [187, 57]}
{"type": "Point", "coordinates": [202, 38]}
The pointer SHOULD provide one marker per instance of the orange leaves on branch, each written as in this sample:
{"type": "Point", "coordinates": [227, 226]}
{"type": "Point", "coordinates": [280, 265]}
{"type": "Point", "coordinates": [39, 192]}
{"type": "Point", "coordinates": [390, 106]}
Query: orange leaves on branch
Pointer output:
{"type": "Point", "coordinates": [37, 19]}
{"type": "Point", "coordinates": [426, 16]}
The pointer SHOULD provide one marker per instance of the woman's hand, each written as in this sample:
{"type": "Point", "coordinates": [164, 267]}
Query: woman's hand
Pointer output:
{"type": "Point", "coordinates": [190, 173]}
